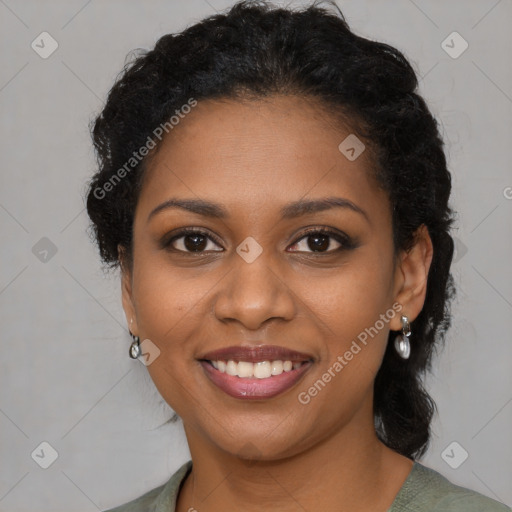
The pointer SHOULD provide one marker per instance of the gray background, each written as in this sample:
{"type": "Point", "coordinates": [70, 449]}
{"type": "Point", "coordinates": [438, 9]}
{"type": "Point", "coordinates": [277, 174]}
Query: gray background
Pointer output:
{"type": "Point", "coordinates": [66, 377]}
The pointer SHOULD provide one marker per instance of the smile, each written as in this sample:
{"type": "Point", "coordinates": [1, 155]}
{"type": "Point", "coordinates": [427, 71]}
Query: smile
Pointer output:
{"type": "Point", "coordinates": [255, 372]}
{"type": "Point", "coordinates": [260, 369]}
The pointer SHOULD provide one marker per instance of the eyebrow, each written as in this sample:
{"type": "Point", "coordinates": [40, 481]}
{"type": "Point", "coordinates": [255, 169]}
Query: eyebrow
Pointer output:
{"type": "Point", "coordinates": [289, 211]}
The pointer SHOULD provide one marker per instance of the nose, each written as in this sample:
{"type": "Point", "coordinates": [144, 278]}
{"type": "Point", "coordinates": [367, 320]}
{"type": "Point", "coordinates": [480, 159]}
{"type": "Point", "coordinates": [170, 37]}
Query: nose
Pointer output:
{"type": "Point", "coordinates": [254, 293]}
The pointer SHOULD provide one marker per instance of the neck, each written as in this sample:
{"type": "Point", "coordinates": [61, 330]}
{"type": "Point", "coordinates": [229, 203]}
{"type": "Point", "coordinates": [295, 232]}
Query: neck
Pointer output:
{"type": "Point", "coordinates": [350, 469]}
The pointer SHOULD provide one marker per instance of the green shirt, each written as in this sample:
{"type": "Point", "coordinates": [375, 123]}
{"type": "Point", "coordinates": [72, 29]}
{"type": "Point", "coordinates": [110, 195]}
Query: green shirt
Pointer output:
{"type": "Point", "coordinates": [423, 490]}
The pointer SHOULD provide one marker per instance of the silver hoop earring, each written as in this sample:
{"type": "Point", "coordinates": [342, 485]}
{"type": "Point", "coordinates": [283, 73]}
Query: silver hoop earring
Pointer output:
{"type": "Point", "coordinates": [135, 350]}
{"type": "Point", "coordinates": [402, 345]}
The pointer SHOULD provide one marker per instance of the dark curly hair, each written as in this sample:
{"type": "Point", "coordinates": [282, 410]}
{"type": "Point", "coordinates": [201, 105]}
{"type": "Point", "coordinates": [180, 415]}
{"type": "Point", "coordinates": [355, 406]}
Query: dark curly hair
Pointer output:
{"type": "Point", "coordinates": [255, 50]}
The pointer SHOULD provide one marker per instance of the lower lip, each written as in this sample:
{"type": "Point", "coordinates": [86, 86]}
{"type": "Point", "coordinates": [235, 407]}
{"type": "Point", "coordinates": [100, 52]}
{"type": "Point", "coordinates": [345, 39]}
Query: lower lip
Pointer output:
{"type": "Point", "coordinates": [253, 388]}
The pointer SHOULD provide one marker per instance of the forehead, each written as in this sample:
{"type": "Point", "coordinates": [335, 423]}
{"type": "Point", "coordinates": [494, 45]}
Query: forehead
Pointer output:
{"type": "Point", "coordinates": [258, 155]}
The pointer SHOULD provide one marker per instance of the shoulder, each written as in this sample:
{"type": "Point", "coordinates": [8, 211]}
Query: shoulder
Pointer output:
{"type": "Point", "coordinates": [159, 499]}
{"type": "Point", "coordinates": [145, 502]}
{"type": "Point", "coordinates": [427, 490]}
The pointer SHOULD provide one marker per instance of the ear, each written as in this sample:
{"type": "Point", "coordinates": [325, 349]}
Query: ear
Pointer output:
{"type": "Point", "coordinates": [126, 291]}
{"type": "Point", "coordinates": [411, 277]}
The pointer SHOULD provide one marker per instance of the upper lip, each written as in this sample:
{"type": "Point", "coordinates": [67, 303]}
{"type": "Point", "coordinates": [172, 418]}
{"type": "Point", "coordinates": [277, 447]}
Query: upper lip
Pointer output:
{"type": "Point", "coordinates": [256, 353]}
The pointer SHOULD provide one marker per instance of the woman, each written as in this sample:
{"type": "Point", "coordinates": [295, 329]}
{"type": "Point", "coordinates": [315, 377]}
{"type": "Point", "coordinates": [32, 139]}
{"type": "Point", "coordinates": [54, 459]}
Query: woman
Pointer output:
{"type": "Point", "coordinates": [275, 193]}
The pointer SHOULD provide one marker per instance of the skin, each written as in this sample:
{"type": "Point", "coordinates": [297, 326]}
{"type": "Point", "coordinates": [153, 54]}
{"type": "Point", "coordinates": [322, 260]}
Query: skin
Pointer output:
{"type": "Point", "coordinates": [253, 158]}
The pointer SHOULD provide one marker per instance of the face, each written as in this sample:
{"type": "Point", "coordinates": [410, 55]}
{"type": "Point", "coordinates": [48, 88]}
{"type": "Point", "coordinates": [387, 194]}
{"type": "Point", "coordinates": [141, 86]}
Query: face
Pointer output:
{"type": "Point", "coordinates": [305, 281]}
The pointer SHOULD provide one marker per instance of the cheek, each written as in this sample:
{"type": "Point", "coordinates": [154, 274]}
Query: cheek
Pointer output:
{"type": "Point", "coordinates": [352, 310]}
{"type": "Point", "coordinates": [170, 301]}
{"type": "Point", "coordinates": [353, 348]}
{"type": "Point", "coordinates": [170, 313]}
{"type": "Point", "coordinates": [170, 305]}
{"type": "Point", "coordinates": [352, 298]}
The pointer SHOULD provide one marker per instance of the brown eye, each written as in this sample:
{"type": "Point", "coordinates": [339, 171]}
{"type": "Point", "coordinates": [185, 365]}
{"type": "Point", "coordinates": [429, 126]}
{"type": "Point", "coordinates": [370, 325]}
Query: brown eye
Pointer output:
{"type": "Point", "coordinates": [190, 241]}
{"type": "Point", "coordinates": [321, 241]}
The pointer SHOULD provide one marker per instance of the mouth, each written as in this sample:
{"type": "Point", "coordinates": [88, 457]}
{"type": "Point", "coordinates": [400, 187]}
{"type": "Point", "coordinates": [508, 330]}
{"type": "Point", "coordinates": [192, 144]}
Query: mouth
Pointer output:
{"type": "Point", "coordinates": [255, 373]}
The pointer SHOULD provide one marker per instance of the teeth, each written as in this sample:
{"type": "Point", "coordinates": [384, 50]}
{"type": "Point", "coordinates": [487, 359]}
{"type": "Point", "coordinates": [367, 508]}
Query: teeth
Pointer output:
{"type": "Point", "coordinates": [262, 370]}
{"type": "Point", "coordinates": [259, 370]}
{"type": "Point", "coordinates": [245, 369]}
{"type": "Point", "coordinates": [232, 368]}
{"type": "Point", "coordinates": [276, 367]}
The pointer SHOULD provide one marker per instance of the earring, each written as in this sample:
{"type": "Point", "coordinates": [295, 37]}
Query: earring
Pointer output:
{"type": "Point", "coordinates": [402, 345]}
{"type": "Point", "coordinates": [135, 349]}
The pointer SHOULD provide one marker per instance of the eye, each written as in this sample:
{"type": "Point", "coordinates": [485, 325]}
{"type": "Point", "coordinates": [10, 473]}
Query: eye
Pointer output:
{"type": "Point", "coordinates": [321, 241]}
{"type": "Point", "coordinates": [192, 240]}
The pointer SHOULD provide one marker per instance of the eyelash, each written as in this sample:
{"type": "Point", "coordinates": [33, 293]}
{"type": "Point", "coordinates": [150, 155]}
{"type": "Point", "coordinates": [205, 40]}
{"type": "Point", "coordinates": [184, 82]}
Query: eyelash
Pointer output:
{"type": "Point", "coordinates": [346, 242]}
